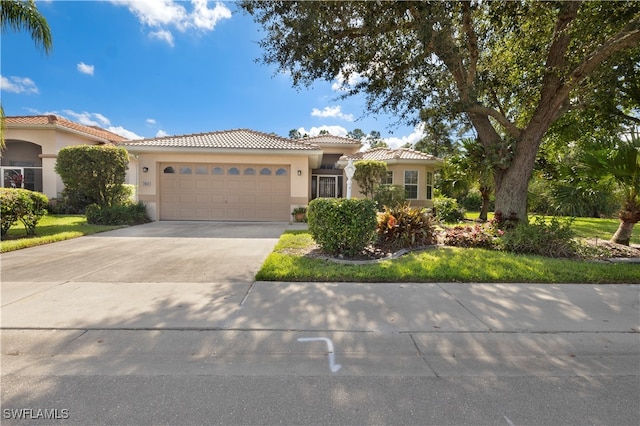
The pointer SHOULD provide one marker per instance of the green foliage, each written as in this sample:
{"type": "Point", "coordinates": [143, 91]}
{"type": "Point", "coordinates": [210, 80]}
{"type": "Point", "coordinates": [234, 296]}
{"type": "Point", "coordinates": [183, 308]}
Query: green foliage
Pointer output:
{"type": "Point", "coordinates": [342, 226]}
{"type": "Point", "coordinates": [553, 238]}
{"type": "Point", "coordinates": [389, 195]}
{"type": "Point", "coordinates": [94, 172]}
{"type": "Point", "coordinates": [404, 226]}
{"type": "Point", "coordinates": [476, 236]}
{"type": "Point", "coordinates": [369, 174]}
{"type": "Point", "coordinates": [21, 205]}
{"type": "Point", "coordinates": [122, 214]}
{"type": "Point", "coordinates": [447, 210]}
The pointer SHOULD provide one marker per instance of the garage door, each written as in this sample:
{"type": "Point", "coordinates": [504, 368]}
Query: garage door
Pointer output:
{"type": "Point", "coordinates": [247, 192]}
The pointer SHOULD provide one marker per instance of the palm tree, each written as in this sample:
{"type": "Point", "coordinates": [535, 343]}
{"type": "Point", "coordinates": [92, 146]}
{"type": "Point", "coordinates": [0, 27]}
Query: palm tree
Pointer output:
{"type": "Point", "coordinates": [620, 165]}
{"type": "Point", "coordinates": [20, 15]}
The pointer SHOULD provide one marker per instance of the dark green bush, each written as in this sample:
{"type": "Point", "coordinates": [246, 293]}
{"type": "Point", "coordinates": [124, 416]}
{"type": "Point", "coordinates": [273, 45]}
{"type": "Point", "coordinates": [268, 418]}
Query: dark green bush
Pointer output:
{"type": "Point", "coordinates": [342, 226]}
{"type": "Point", "coordinates": [553, 239]}
{"type": "Point", "coordinates": [21, 205]}
{"type": "Point", "coordinates": [405, 227]}
{"type": "Point", "coordinates": [125, 214]}
{"type": "Point", "coordinates": [447, 210]}
{"type": "Point", "coordinates": [94, 172]}
{"type": "Point", "coordinates": [389, 195]}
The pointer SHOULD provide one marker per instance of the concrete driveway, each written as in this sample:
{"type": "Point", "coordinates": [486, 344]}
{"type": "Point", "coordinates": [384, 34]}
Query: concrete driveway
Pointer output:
{"type": "Point", "coordinates": [117, 277]}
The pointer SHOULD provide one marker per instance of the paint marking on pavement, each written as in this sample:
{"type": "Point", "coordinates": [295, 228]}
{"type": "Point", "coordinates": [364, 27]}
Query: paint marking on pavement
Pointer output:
{"type": "Point", "coordinates": [332, 356]}
{"type": "Point", "coordinates": [509, 422]}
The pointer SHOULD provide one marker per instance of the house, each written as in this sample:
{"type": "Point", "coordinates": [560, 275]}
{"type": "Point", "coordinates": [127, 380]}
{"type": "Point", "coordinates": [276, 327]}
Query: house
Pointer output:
{"type": "Point", "coordinates": [241, 175]}
{"type": "Point", "coordinates": [32, 145]}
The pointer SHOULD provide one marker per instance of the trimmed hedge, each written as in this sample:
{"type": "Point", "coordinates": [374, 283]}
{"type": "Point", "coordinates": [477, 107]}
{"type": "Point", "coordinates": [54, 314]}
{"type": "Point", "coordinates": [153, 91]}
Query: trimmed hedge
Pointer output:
{"type": "Point", "coordinates": [21, 205]}
{"type": "Point", "coordinates": [342, 226]}
{"type": "Point", "coordinates": [126, 214]}
{"type": "Point", "coordinates": [447, 210]}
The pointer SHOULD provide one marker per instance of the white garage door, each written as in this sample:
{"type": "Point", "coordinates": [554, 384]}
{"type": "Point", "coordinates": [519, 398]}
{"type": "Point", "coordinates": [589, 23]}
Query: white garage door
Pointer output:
{"type": "Point", "coordinates": [196, 191]}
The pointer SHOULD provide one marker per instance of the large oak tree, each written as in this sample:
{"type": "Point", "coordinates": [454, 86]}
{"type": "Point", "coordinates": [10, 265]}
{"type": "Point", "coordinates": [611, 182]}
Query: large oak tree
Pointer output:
{"type": "Point", "coordinates": [509, 68]}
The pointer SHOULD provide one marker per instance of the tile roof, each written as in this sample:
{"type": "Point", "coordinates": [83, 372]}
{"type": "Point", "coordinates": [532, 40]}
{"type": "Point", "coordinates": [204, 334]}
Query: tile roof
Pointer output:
{"type": "Point", "coordinates": [330, 139]}
{"type": "Point", "coordinates": [227, 139]}
{"type": "Point", "coordinates": [57, 121]}
{"type": "Point", "coordinates": [386, 154]}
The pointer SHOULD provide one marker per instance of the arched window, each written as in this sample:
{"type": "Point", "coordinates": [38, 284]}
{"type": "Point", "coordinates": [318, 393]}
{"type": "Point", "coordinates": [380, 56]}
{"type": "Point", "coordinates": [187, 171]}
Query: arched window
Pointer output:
{"type": "Point", "coordinates": [217, 171]}
{"type": "Point", "coordinates": [265, 171]}
{"type": "Point", "coordinates": [281, 172]}
{"type": "Point", "coordinates": [168, 170]}
{"type": "Point", "coordinates": [250, 171]}
{"type": "Point", "coordinates": [185, 170]}
{"type": "Point", "coordinates": [233, 171]}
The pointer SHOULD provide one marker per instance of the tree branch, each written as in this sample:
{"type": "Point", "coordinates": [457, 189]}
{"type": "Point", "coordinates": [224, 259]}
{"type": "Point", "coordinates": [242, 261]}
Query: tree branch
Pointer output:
{"type": "Point", "coordinates": [511, 128]}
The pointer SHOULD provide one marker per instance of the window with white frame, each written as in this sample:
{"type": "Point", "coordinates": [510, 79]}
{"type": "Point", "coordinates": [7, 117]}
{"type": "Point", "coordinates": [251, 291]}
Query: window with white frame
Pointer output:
{"type": "Point", "coordinates": [411, 184]}
{"type": "Point", "coordinates": [429, 185]}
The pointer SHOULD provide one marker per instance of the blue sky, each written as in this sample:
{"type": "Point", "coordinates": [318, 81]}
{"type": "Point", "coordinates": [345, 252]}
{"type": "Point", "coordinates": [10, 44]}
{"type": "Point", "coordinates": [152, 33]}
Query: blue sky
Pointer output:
{"type": "Point", "coordinates": [146, 68]}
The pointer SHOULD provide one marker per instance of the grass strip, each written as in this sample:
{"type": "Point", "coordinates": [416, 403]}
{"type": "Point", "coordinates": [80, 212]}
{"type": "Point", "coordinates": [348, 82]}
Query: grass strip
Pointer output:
{"type": "Point", "coordinates": [444, 264]}
{"type": "Point", "coordinates": [50, 229]}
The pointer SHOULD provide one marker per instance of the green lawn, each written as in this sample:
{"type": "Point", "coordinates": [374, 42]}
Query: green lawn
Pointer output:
{"type": "Point", "coordinates": [51, 228]}
{"type": "Point", "coordinates": [445, 264]}
{"type": "Point", "coordinates": [587, 227]}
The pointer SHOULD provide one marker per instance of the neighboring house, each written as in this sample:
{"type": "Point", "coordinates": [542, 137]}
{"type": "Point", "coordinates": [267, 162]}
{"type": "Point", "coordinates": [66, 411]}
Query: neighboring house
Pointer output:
{"type": "Point", "coordinates": [32, 145]}
{"type": "Point", "coordinates": [239, 175]}
{"type": "Point", "coordinates": [410, 169]}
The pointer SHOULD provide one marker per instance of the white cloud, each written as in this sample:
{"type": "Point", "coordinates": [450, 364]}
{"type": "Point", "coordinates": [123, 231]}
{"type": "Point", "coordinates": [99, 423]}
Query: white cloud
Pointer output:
{"type": "Point", "coordinates": [15, 84]}
{"type": "Point", "coordinates": [88, 118]}
{"type": "Point", "coordinates": [161, 134]}
{"type": "Point", "coordinates": [164, 14]}
{"type": "Point", "coordinates": [163, 35]}
{"type": "Point", "coordinates": [150, 121]}
{"type": "Point", "coordinates": [333, 112]}
{"type": "Point", "coordinates": [85, 69]}
{"type": "Point", "coordinates": [415, 136]}
{"type": "Point", "coordinates": [333, 130]}
{"type": "Point", "coordinates": [344, 83]}
{"type": "Point", "coordinates": [119, 130]}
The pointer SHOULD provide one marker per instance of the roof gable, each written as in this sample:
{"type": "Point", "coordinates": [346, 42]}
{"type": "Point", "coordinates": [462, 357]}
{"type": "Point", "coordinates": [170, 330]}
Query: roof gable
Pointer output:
{"type": "Point", "coordinates": [390, 156]}
{"type": "Point", "coordinates": [331, 140]}
{"type": "Point", "coordinates": [55, 121]}
{"type": "Point", "coordinates": [238, 139]}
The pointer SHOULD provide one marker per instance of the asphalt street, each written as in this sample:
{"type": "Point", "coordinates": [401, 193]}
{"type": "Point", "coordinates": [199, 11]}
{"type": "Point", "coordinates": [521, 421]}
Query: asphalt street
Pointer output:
{"type": "Point", "coordinates": [163, 324]}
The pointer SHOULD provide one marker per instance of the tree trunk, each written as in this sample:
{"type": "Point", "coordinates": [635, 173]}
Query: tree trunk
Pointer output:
{"type": "Point", "coordinates": [512, 183]}
{"type": "Point", "coordinates": [623, 234]}
{"type": "Point", "coordinates": [484, 210]}
{"type": "Point", "coordinates": [629, 216]}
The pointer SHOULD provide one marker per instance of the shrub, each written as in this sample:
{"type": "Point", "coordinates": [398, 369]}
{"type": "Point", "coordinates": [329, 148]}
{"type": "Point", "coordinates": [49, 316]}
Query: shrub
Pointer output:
{"type": "Point", "coordinates": [94, 172]}
{"type": "Point", "coordinates": [389, 195]}
{"type": "Point", "coordinates": [124, 214]}
{"type": "Point", "coordinates": [368, 174]}
{"type": "Point", "coordinates": [471, 237]}
{"type": "Point", "coordinates": [553, 239]}
{"type": "Point", "coordinates": [21, 205]}
{"type": "Point", "coordinates": [342, 226]}
{"type": "Point", "coordinates": [447, 210]}
{"type": "Point", "coordinates": [405, 227]}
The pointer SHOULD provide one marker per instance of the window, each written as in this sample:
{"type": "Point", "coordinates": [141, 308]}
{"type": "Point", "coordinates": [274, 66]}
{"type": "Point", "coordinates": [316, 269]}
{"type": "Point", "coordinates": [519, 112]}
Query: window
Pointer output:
{"type": "Point", "coordinates": [250, 171]}
{"type": "Point", "coordinates": [429, 185]}
{"type": "Point", "coordinates": [185, 170]}
{"type": "Point", "coordinates": [265, 171]}
{"type": "Point", "coordinates": [202, 170]}
{"type": "Point", "coordinates": [233, 171]}
{"type": "Point", "coordinates": [281, 172]}
{"type": "Point", "coordinates": [388, 180]}
{"type": "Point", "coordinates": [169, 170]}
{"type": "Point", "coordinates": [411, 184]}
{"type": "Point", "coordinates": [217, 171]}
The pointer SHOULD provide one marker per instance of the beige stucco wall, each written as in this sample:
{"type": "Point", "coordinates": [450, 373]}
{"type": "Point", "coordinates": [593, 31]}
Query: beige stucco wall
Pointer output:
{"type": "Point", "coordinates": [148, 187]}
{"type": "Point", "coordinates": [52, 140]}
